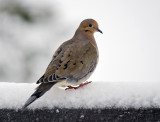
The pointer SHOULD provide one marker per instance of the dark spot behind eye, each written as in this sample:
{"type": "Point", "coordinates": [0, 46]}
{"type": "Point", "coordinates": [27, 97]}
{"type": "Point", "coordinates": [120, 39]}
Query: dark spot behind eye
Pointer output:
{"type": "Point", "coordinates": [74, 63]}
{"type": "Point", "coordinates": [69, 55]}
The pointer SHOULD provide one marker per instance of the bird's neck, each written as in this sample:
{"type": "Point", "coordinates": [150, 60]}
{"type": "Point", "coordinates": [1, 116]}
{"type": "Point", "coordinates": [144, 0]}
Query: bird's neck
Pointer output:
{"type": "Point", "coordinates": [84, 36]}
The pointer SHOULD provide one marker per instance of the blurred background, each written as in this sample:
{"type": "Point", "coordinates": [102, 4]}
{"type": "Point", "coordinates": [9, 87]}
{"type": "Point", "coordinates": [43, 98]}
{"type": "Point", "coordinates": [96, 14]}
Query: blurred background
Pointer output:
{"type": "Point", "coordinates": [31, 30]}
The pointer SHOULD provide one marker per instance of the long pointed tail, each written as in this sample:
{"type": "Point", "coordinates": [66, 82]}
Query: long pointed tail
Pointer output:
{"type": "Point", "coordinates": [41, 89]}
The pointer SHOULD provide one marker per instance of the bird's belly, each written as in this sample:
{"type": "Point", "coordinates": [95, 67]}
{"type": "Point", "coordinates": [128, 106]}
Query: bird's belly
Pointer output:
{"type": "Point", "coordinates": [66, 82]}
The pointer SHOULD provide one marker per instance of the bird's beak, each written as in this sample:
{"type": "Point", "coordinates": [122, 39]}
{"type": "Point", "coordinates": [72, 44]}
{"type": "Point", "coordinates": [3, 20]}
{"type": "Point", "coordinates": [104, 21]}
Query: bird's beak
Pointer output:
{"type": "Point", "coordinates": [99, 30]}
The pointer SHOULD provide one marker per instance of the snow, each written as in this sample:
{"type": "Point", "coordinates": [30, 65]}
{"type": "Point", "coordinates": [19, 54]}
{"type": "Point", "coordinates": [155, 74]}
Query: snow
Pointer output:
{"type": "Point", "coordinates": [95, 95]}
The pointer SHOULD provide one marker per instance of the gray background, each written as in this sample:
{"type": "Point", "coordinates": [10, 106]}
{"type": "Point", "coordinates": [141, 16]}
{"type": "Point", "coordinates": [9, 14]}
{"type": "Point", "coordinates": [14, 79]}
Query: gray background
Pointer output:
{"type": "Point", "coordinates": [31, 30]}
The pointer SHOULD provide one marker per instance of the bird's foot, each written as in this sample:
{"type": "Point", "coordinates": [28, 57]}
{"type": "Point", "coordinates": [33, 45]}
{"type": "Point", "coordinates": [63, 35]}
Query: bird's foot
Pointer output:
{"type": "Point", "coordinates": [76, 87]}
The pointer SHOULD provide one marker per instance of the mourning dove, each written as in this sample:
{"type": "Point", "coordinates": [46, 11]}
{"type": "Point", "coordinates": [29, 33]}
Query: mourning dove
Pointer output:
{"type": "Point", "coordinates": [73, 62]}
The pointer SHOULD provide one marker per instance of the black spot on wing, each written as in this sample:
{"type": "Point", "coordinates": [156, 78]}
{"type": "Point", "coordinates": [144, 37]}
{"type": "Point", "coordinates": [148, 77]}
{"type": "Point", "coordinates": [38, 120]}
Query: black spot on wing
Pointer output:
{"type": "Point", "coordinates": [59, 50]}
{"type": "Point", "coordinates": [60, 61]}
{"type": "Point", "coordinates": [81, 62]}
{"type": "Point", "coordinates": [66, 65]}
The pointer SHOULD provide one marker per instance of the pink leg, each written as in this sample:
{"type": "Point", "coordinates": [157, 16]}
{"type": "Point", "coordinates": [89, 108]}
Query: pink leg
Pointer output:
{"type": "Point", "coordinates": [81, 85]}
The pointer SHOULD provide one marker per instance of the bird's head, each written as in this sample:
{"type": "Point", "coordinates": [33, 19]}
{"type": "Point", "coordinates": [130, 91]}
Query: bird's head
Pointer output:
{"type": "Point", "coordinates": [89, 25]}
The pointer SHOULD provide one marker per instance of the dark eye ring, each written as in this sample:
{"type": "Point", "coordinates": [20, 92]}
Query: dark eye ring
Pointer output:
{"type": "Point", "coordinates": [90, 25]}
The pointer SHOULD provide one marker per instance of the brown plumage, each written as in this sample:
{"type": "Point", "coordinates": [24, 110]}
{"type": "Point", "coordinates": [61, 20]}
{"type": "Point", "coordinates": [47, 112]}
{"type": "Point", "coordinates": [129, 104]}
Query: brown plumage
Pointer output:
{"type": "Point", "coordinates": [73, 62]}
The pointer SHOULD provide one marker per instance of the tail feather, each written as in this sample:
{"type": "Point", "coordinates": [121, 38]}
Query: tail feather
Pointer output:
{"type": "Point", "coordinates": [40, 90]}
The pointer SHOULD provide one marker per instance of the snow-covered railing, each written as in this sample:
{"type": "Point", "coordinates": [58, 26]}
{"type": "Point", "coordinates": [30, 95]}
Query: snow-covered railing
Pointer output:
{"type": "Point", "coordinates": [95, 95]}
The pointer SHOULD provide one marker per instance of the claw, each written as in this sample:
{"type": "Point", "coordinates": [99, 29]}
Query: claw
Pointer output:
{"type": "Point", "coordinates": [76, 87]}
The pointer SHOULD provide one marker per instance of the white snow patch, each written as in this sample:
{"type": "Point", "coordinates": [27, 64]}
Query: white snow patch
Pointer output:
{"type": "Point", "coordinates": [94, 95]}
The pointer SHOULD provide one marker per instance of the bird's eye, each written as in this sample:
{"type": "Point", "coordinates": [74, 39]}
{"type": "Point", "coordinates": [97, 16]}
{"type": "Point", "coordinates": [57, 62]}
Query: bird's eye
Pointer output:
{"type": "Point", "coordinates": [90, 25]}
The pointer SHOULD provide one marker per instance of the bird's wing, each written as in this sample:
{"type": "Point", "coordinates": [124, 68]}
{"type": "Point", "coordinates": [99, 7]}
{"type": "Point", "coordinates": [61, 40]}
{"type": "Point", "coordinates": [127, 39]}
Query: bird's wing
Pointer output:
{"type": "Point", "coordinates": [49, 75]}
{"type": "Point", "coordinates": [72, 60]}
